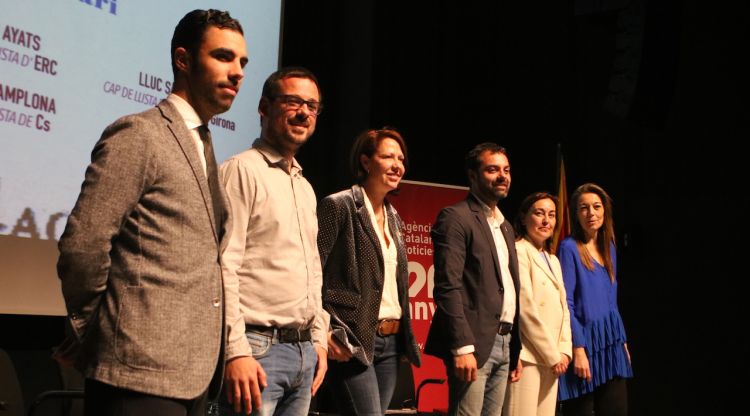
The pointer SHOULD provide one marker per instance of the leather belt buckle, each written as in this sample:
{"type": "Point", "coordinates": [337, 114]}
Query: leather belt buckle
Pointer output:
{"type": "Point", "coordinates": [262, 330]}
{"type": "Point", "coordinates": [504, 328]}
{"type": "Point", "coordinates": [290, 335]}
{"type": "Point", "coordinates": [388, 327]}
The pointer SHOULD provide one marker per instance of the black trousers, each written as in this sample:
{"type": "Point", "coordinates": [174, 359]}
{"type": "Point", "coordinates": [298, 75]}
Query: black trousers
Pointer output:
{"type": "Point", "coordinates": [609, 399]}
{"type": "Point", "coordinates": [105, 400]}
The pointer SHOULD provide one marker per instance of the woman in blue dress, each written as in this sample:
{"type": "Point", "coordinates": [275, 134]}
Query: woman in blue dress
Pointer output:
{"type": "Point", "coordinates": [595, 382]}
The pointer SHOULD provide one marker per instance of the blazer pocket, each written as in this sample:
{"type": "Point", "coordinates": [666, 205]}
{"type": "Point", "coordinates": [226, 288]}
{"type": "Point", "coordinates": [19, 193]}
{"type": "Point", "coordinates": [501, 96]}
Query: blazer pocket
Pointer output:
{"type": "Point", "coordinates": [340, 297]}
{"type": "Point", "coordinates": [147, 335]}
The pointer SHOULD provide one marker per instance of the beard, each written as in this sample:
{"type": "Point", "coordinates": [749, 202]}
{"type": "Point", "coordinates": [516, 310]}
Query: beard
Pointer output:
{"type": "Point", "coordinates": [500, 194]}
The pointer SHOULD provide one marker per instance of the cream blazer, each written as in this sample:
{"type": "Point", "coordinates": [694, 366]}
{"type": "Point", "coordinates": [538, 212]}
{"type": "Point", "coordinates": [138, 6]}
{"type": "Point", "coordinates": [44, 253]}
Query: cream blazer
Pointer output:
{"type": "Point", "coordinates": [545, 319]}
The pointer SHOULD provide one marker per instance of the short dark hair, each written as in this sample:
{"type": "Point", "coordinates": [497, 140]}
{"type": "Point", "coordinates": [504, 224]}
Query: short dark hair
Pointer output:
{"type": "Point", "coordinates": [271, 86]}
{"type": "Point", "coordinates": [366, 143]}
{"type": "Point", "coordinates": [189, 31]}
{"type": "Point", "coordinates": [472, 162]}
{"type": "Point", "coordinates": [524, 209]}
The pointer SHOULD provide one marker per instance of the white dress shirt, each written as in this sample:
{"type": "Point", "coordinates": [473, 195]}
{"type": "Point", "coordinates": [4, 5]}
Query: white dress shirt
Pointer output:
{"type": "Point", "coordinates": [192, 122]}
{"type": "Point", "coordinates": [389, 306]}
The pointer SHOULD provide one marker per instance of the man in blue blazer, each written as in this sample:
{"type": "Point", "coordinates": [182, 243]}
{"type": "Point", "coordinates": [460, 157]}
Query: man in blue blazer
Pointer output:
{"type": "Point", "coordinates": [475, 328]}
{"type": "Point", "coordinates": [139, 258]}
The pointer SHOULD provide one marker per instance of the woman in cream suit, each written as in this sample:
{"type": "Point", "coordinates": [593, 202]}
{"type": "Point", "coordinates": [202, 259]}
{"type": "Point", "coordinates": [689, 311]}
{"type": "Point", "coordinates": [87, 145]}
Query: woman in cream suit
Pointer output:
{"type": "Point", "coordinates": [545, 320]}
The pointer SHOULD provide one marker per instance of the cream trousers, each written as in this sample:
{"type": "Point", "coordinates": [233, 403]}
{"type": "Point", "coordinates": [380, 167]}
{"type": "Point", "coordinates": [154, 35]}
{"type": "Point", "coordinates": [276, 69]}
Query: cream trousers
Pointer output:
{"type": "Point", "coordinates": [535, 394]}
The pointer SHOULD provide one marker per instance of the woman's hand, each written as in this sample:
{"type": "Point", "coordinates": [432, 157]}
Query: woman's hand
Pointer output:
{"type": "Point", "coordinates": [515, 375]}
{"type": "Point", "coordinates": [581, 364]}
{"type": "Point", "coordinates": [562, 366]}
{"type": "Point", "coordinates": [336, 351]}
{"type": "Point", "coordinates": [627, 351]}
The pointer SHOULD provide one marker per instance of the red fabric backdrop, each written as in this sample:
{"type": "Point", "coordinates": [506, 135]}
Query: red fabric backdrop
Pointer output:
{"type": "Point", "coordinates": [418, 204]}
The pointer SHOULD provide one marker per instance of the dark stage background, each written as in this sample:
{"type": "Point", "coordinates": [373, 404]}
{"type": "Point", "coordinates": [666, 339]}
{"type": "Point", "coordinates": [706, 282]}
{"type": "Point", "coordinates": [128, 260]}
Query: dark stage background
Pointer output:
{"type": "Point", "coordinates": [648, 99]}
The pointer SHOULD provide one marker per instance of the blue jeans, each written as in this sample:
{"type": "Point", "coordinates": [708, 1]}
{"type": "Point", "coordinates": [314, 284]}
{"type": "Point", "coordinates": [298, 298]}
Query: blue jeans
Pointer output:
{"type": "Point", "coordinates": [289, 368]}
{"type": "Point", "coordinates": [484, 396]}
{"type": "Point", "coordinates": [366, 390]}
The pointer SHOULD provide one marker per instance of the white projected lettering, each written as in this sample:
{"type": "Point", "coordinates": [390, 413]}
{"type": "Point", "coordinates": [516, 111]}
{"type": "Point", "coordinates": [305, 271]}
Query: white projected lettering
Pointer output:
{"type": "Point", "coordinates": [421, 278]}
{"type": "Point", "coordinates": [420, 310]}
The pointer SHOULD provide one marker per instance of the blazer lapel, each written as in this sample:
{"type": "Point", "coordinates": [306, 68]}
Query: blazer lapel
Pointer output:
{"type": "Point", "coordinates": [227, 219]}
{"type": "Point", "coordinates": [542, 264]}
{"type": "Point", "coordinates": [484, 226]}
{"type": "Point", "coordinates": [510, 241]}
{"type": "Point", "coordinates": [366, 224]}
{"type": "Point", "coordinates": [402, 272]}
{"type": "Point", "coordinates": [181, 134]}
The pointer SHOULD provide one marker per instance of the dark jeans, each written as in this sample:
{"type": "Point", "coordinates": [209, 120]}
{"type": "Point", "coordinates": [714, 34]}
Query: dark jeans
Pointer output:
{"type": "Point", "coordinates": [366, 390]}
{"type": "Point", "coordinates": [609, 399]}
{"type": "Point", "coordinates": [105, 400]}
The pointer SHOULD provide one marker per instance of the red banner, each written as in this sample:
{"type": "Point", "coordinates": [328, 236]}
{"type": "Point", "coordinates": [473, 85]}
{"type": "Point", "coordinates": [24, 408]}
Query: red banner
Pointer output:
{"type": "Point", "coordinates": [418, 204]}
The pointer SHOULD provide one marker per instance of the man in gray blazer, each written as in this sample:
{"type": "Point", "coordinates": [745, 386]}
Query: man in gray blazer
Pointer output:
{"type": "Point", "coordinates": [475, 327]}
{"type": "Point", "coordinates": [139, 258]}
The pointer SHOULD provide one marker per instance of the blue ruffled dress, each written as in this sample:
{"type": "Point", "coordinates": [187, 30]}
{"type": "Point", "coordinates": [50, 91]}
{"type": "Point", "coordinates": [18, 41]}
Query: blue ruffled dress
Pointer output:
{"type": "Point", "coordinates": [595, 322]}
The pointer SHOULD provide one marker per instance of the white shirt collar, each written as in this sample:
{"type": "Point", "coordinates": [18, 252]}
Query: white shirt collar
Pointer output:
{"type": "Point", "coordinates": [275, 158]}
{"type": "Point", "coordinates": [498, 215]}
{"type": "Point", "coordinates": [192, 120]}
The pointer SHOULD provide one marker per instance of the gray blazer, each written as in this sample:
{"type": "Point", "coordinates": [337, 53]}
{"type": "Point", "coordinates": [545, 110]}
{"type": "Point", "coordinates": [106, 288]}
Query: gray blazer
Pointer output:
{"type": "Point", "coordinates": [139, 261]}
{"type": "Point", "coordinates": [353, 272]}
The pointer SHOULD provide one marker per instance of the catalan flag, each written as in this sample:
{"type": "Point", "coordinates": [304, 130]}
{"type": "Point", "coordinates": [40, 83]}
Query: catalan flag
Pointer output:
{"type": "Point", "coordinates": [563, 213]}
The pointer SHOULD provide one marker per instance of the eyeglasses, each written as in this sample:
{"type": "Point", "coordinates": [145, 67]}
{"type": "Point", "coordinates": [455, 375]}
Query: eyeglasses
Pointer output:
{"type": "Point", "coordinates": [294, 103]}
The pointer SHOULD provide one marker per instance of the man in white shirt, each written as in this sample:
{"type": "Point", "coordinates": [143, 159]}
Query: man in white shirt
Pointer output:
{"type": "Point", "coordinates": [272, 272]}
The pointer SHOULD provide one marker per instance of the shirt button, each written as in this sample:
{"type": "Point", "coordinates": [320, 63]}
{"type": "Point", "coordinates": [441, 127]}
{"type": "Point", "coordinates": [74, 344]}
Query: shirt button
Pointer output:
{"type": "Point", "coordinates": [217, 302]}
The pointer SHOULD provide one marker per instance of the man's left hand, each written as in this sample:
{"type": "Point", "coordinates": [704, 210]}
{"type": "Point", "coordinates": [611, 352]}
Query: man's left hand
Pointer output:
{"type": "Point", "coordinates": [320, 368]}
{"type": "Point", "coordinates": [515, 375]}
{"type": "Point", "coordinates": [67, 352]}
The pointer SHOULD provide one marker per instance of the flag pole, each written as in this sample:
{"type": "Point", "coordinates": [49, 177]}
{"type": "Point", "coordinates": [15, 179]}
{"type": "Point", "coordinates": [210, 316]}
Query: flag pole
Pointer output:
{"type": "Point", "coordinates": [563, 215]}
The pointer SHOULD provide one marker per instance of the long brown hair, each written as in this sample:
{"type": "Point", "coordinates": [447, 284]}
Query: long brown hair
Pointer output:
{"type": "Point", "coordinates": [605, 238]}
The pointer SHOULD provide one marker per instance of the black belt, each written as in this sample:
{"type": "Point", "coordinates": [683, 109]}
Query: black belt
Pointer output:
{"type": "Point", "coordinates": [504, 328]}
{"type": "Point", "coordinates": [283, 335]}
